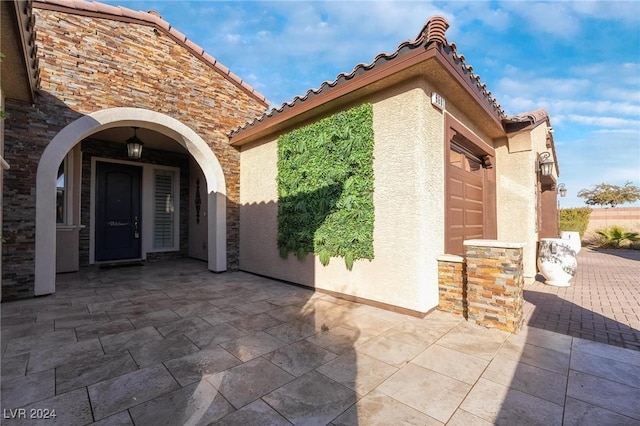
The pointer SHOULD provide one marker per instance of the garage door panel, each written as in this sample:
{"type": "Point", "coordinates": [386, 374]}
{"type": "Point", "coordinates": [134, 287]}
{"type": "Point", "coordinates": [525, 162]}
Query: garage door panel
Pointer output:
{"type": "Point", "coordinates": [477, 236]}
{"type": "Point", "coordinates": [456, 188]}
{"type": "Point", "coordinates": [456, 244]}
{"type": "Point", "coordinates": [473, 192]}
{"type": "Point", "coordinates": [473, 218]}
{"type": "Point", "coordinates": [465, 195]}
{"type": "Point", "coordinates": [456, 218]}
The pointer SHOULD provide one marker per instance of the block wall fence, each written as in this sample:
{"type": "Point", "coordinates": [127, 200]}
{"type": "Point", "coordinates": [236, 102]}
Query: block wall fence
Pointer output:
{"type": "Point", "coordinates": [626, 217]}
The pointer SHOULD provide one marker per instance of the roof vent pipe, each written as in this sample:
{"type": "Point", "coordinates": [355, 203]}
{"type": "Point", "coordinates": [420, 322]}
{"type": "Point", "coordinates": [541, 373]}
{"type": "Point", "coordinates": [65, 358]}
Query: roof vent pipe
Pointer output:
{"type": "Point", "coordinates": [436, 27]}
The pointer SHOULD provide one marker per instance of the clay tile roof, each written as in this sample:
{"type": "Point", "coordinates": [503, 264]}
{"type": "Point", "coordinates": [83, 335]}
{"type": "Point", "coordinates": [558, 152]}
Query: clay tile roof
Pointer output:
{"type": "Point", "coordinates": [432, 32]}
{"type": "Point", "coordinates": [177, 34]}
{"type": "Point", "coordinates": [152, 18]}
{"type": "Point", "coordinates": [517, 122]}
{"type": "Point", "coordinates": [533, 117]}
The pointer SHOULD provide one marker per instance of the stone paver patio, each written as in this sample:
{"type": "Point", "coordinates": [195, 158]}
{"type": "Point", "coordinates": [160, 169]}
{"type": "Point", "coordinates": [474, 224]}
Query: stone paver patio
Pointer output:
{"type": "Point", "coordinates": [602, 304]}
{"type": "Point", "coordinates": [171, 343]}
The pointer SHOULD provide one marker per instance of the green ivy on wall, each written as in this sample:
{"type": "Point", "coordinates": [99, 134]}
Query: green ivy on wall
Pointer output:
{"type": "Point", "coordinates": [325, 188]}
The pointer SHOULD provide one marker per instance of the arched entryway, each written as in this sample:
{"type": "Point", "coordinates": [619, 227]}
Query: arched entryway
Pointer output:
{"type": "Point", "coordinates": [68, 137]}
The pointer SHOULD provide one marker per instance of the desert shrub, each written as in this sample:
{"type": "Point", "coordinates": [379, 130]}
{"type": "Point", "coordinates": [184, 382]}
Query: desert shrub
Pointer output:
{"type": "Point", "coordinates": [614, 236]}
{"type": "Point", "coordinates": [575, 219]}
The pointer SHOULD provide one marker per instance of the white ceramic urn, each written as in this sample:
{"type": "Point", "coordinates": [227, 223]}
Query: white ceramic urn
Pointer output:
{"type": "Point", "coordinates": [557, 261]}
{"type": "Point", "coordinates": [574, 239]}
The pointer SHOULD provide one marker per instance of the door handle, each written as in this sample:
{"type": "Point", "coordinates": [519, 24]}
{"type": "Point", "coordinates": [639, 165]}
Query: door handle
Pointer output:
{"type": "Point", "coordinates": [136, 230]}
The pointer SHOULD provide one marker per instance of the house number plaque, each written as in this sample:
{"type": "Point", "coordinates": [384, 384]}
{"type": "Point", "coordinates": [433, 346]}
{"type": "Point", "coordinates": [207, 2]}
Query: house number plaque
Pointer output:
{"type": "Point", "coordinates": [437, 100]}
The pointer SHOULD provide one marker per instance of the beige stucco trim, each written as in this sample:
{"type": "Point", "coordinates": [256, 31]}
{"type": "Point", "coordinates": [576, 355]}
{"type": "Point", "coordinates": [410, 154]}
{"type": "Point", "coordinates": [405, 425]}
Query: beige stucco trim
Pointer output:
{"type": "Point", "coordinates": [409, 208]}
{"type": "Point", "coordinates": [450, 258]}
{"type": "Point", "coordinates": [68, 137]}
{"type": "Point", "coordinates": [493, 243]}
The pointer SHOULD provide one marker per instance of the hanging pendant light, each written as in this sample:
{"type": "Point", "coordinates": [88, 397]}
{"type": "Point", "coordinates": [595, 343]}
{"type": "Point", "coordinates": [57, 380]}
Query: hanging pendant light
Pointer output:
{"type": "Point", "coordinates": [134, 146]}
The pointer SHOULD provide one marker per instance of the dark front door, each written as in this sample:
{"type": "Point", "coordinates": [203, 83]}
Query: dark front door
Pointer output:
{"type": "Point", "coordinates": [117, 211]}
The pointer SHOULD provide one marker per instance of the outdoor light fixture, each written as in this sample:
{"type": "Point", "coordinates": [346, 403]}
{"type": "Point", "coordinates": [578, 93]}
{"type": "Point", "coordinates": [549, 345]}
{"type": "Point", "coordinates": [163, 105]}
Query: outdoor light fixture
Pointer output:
{"type": "Point", "coordinates": [545, 163]}
{"type": "Point", "coordinates": [134, 146]}
{"type": "Point", "coordinates": [562, 190]}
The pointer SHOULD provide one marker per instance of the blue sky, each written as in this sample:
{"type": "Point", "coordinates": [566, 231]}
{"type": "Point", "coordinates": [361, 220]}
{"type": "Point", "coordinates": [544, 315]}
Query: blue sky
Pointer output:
{"type": "Point", "coordinates": [578, 60]}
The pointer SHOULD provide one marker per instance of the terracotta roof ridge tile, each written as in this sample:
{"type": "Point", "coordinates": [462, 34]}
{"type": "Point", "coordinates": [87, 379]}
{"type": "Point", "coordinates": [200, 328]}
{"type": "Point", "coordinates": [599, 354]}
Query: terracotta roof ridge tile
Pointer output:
{"type": "Point", "coordinates": [432, 32]}
{"type": "Point", "coordinates": [534, 116]}
{"type": "Point", "coordinates": [152, 19]}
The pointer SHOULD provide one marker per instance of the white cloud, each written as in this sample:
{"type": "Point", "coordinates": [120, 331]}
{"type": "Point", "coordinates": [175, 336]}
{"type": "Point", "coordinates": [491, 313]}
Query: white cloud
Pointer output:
{"type": "Point", "coordinates": [544, 86]}
{"type": "Point", "coordinates": [233, 38]}
{"type": "Point", "coordinates": [621, 174]}
{"type": "Point", "coordinates": [614, 122]}
{"type": "Point", "coordinates": [557, 18]}
{"type": "Point", "coordinates": [597, 107]}
{"type": "Point", "coordinates": [597, 97]}
{"type": "Point", "coordinates": [618, 132]}
{"type": "Point", "coordinates": [625, 11]}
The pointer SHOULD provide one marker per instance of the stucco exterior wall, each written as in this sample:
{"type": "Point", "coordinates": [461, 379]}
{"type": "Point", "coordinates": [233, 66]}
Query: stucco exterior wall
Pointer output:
{"type": "Point", "coordinates": [91, 64]}
{"type": "Point", "coordinates": [517, 191]}
{"type": "Point", "coordinates": [409, 209]}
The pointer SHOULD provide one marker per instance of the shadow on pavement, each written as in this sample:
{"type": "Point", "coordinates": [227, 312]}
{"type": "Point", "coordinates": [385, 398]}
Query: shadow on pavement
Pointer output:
{"type": "Point", "coordinates": [556, 314]}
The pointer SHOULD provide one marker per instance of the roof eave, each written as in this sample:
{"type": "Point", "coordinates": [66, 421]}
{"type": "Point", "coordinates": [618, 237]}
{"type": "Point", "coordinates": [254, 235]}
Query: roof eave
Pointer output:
{"type": "Point", "coordinates": [430, 43]}
{"type": "Point", "coordinates": [525, 121]}
{"type": "Point", "coordinates": [24, 20]}
{"type": "Point", "coordinates": [272, 121]}
{"type": "Point", "coordinates": [455, 65]}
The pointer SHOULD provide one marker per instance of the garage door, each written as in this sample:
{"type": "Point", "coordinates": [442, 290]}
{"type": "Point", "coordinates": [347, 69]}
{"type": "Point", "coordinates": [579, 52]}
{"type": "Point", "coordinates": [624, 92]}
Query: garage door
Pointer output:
{"type": "Point", "coordinates": [465, 195]}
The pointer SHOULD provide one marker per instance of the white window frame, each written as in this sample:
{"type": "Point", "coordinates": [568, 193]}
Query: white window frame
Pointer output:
{"type": "Point", "coordinates": [175, 191]}
{"type": "Point", "coordinates": [148, 204]}
{"type": "Point", "coordinates": [69, 192]}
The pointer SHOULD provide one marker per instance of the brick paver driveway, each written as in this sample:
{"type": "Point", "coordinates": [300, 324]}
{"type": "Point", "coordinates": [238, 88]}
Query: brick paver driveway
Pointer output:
{"type": "Point", "coordinates": [602, 303]}
{"type": "Point", "coordinates": [171, 344]}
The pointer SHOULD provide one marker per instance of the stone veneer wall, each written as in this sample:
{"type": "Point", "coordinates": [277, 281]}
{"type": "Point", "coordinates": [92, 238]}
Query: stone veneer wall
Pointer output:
{"type": "Point", "coordinates": [495, 284]}
{"type": "Point", "coordinates": [487, 286]}
{"type": "Point", "coordinates": [89, 64]}
{"type": "Point", "coordinates": [452, 284]}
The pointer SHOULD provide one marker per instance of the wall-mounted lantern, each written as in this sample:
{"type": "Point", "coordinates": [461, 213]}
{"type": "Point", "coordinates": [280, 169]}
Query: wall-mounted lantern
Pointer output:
{"type": "Point", "coordinates": [134, 146]}
{"type": "Point", "coordinates": [545, 164]}
{"type": "Point", "coordinates": [562, 190]}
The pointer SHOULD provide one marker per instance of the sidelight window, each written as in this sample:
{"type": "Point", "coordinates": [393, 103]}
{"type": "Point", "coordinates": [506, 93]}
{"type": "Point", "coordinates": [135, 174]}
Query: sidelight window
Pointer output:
{"type": "Point", "coordinates": [164, 212]}
{"type": "Point", "coordinates": [61, 194]}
